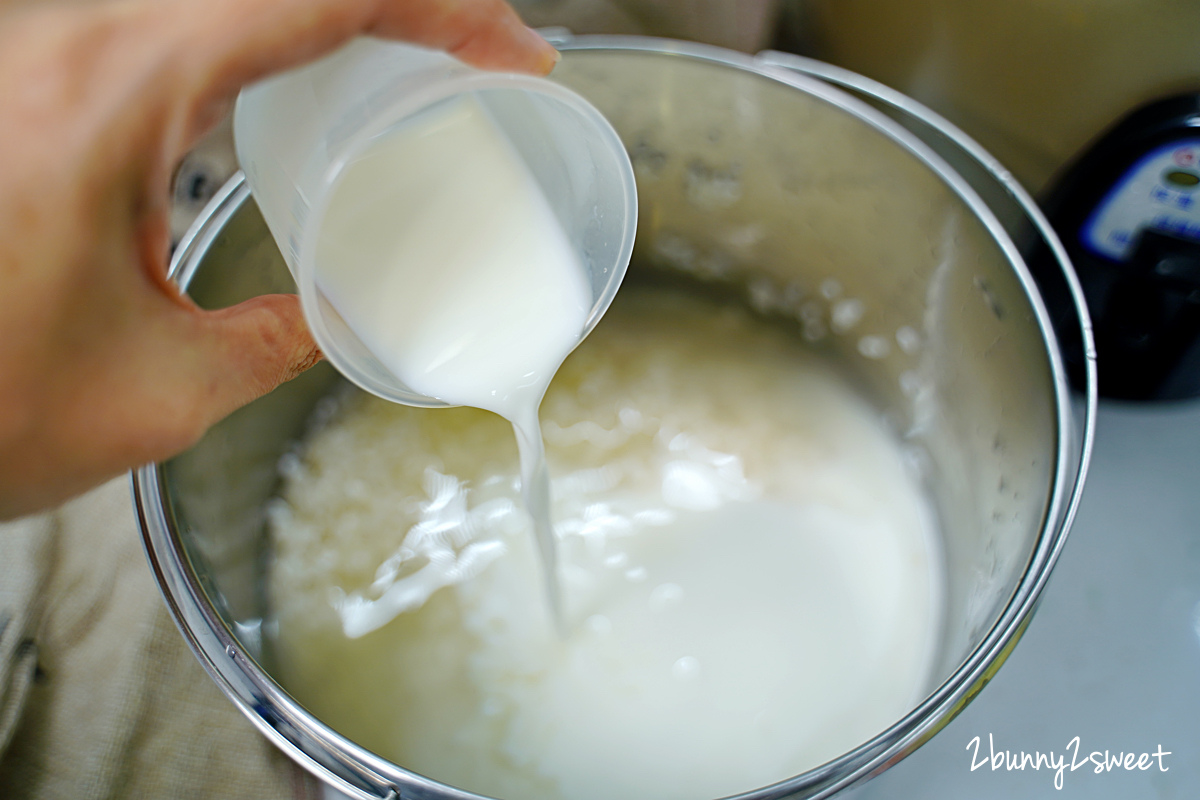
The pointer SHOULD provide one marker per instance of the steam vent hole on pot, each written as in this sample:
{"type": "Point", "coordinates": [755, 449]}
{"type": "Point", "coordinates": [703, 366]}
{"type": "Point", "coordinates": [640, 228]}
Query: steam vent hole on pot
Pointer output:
{"type": "Point", "coordinates": [799, 471]}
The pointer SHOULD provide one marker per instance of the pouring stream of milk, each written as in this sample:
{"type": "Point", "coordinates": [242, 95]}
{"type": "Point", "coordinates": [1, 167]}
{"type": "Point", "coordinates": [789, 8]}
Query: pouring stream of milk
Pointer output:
{"type": "Point", "coordinates": [442, 254]}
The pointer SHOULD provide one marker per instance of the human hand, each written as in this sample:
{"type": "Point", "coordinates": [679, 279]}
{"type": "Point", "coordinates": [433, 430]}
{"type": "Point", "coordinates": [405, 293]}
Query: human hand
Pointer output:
{"type": "Point", "coordinates": [104, 365]}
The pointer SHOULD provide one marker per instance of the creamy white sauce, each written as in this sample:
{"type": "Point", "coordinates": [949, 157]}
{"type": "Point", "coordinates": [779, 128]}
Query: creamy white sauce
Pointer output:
{"type": "Point", "coordinates": [441, 253]}
{"type": "Point", "coordinates": [751, 574]}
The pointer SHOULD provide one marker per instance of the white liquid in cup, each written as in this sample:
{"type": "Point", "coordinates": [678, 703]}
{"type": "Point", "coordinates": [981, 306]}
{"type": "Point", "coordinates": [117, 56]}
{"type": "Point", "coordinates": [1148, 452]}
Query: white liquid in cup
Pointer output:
{"type": "Point", "coordinates": [442, 254]}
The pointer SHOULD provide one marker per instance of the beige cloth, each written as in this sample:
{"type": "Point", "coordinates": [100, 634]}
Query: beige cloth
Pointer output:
{"type": "Point", "coordinates": [100, 696]}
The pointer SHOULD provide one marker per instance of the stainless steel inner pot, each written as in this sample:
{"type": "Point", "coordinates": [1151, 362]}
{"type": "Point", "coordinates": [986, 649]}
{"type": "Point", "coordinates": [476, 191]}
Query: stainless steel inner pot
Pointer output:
{"type": "Point", "coordinates": [891, 240]}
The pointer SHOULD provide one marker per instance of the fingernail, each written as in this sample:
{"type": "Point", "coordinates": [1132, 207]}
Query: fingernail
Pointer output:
{"type": "Point", "coordinates": [550, 56]}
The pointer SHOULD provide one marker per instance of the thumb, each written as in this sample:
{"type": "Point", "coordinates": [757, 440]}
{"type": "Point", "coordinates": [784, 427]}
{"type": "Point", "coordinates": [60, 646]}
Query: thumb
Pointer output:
{"type": "Point", "coordinates": [249, 349]}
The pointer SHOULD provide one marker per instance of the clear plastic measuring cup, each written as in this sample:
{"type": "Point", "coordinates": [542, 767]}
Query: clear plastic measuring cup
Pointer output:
{"type": "Point", "coordinates": [296, 132]}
